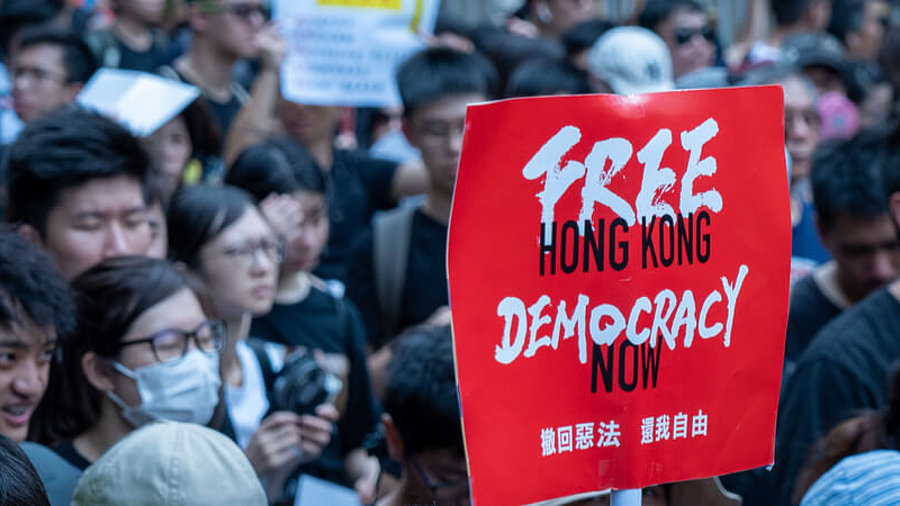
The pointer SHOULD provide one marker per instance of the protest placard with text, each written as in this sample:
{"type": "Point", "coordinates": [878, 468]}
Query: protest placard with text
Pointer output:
{"type": "Point", "coordinates": [618, 272]}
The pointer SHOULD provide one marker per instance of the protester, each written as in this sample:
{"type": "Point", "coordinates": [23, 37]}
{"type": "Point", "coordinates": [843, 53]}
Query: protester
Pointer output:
{"type": "Point", "coordinates": [48, 68]}
{"type": "Point", "coordinates": [421, 420]}
{"type": "Point", "coordinates": [539, 76]}
{"type": "Point", "coordinates": [133, 41]}
{"type": "Point", "coordinates": [844, 368]}
{"type": "Point", "coordinates": [223, 32]}
{"type": "Point", "coordinates": [398, 275]}
{"type": "Point", "coordinates": [76, 188]}
{"type": "Point", "coordinates": [686, 30]}
{"type": "Point", "coordinates": [853, 220]}
{"type": "Point", "coordinates": [20, 484]}
{"type": "Point", "coordinates": [859, 25]}
{"type": "Point", "coordinates": [171, 463]}
{"type": "Point", "coordinates": [551, 19]}
{"type": "Point", "coordinates": [792, 17]}
{"type": "Point", "coordinates": [222, 239]}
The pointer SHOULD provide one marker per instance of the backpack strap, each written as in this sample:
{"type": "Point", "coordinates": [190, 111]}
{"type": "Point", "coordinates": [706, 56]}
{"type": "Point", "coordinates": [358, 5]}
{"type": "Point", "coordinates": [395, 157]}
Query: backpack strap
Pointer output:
{"type": "Point", "coordinates": [391, 232]}
{"type": "Point", "coordinates": [265, 363]}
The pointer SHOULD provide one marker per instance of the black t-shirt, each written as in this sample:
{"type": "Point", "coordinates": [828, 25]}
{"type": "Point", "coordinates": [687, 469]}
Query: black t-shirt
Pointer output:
{"type": "Point", "coordinates": [810, 311]}
{"type": "Point", "coordinates": [322, 322]}
{"type": "Point", "coordinates": [425, 282]}
{"type": "Point", "coordinates": [358, 186]}
{"type": "Point", "coordinates": [843, 373]}
{"type": "Point", "coordinates": [68, 452]}
{"type": "Point", "coordinates": [222, 112]}
{"type": "Point", "coordinates": [145, 61]}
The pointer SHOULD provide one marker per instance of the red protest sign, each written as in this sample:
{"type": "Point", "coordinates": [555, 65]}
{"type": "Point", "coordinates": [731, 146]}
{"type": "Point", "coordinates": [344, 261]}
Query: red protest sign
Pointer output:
{"type": "Point", "coordinates": [619, 282]}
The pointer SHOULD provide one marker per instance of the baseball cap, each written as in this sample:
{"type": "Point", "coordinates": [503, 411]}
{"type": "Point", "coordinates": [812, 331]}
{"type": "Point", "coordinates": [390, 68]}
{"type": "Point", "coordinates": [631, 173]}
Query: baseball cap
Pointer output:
{"type": "Point", "coordinates": [171, 464]}
{"type": "Point", "coordinates": [631, 60]}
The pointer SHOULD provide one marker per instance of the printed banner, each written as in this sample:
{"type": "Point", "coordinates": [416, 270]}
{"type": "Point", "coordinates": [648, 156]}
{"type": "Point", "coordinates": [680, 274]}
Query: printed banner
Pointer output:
{"type": "Point", "coordinates": [618, 274]}
{"type": "Point", "coordinates": [345, 52]}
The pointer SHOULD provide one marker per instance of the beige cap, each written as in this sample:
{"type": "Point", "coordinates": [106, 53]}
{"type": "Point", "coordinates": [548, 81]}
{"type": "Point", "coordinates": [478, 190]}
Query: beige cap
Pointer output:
{"type": "Point", "coordinates": [171, 463]}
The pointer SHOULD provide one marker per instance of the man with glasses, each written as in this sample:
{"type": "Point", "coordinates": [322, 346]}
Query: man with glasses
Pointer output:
{"type": "Point", "coordinates": [421, 424]}
{"type": "Point", "coordinates": [685, 28]}
{"type": "Point", "coordinates": [48, 67]}
{"type": "Point", "coordinates": [224, 32]}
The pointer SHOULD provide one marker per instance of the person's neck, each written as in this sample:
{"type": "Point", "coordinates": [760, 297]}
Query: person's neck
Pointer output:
{"type": "Point", "coordinates": [209, 67]}
{"type": "Point", "coordinates": [136, 35]}
{"type": "Point", "coordinates": [293, 287]}
{"type": "Point", "coordinates": [108, 430]}
{"type": "Point", "coordinates": [323, 153]}
{"type": "Point", "coordinates": [238, 329]}
{"type": "Point", "coordinates": [437, 206]}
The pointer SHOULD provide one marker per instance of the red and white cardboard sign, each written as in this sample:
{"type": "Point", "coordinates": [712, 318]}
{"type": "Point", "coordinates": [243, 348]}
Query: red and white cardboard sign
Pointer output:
{"type": "Point", "coordinates": [619, 283]}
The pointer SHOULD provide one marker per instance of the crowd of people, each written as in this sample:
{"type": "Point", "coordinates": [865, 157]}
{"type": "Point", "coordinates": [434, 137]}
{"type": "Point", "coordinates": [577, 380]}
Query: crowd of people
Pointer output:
{"type": "Point", "coordinates": [254, 294]}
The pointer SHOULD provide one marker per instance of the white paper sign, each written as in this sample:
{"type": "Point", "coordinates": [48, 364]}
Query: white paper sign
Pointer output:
{"type": "Point", "coordinates": [345, 52]}
{"type": "Point", "coordinates": [140, 101]}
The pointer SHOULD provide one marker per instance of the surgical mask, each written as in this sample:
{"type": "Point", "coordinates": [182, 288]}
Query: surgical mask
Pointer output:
{"type": "Point", "coordinates": [182, 391]}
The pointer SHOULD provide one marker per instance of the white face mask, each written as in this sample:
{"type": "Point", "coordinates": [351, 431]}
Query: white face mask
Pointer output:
{"type": "Point", "coordinates": [182, 391]}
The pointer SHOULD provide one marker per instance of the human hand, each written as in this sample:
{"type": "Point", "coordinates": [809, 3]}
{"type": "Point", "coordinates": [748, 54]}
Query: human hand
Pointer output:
{"type": "Point", "coordinates": [271, 47]}
{"type": "Point", "coordinates": [284, 215]}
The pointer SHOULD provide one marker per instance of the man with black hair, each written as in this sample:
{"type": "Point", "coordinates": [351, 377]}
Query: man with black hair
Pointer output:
{"type": "Point", "coordinates": [76, 187]}
{"type": "Point", "coordinates": [685, 27]}
{"type": "Point", "coordinates": [845, 368]}
{"type": "Point", "coordinates": [36, 310]}
{"type": "Point", "coordinates": [48, 67]}
{"type": "Point", "coordinates": [855, 225]}
{"type": "Point", "coordinates": [421, 422]}
{"type": "Point", "coordinates": [133, 40]}
{"type": "Point", "coordinates": [542, 76]}
{"type": "Point", "coordinates": [860, 25]}
{"type": "Point", "coordinates": [792, 17]}
{"type": "Point", "coordinates": [397, 274]}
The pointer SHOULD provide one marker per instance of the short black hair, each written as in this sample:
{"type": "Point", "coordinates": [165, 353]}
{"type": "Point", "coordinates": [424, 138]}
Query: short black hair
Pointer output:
{"type": "Point", "coordinates": [197, 214]}
{"type": "Point", "coordinates": [31, 286]}
{"type": "Point", "coordinates": [789, 12]}
{"type": "Point", "coordinates": [65, 149]}
{"type": "Point", "coordinates": [847, 16]}
{"type": "Point", "coordinates": [16, 15]}
{"type": "Point", "coordinates": [421, 394]}
{"type": "Point", "coordinates": [434, 73]}
{"type": "Point", "coordinates": [847, 178]}
{"type": "Point", "coordinates": [20, 483]}
{"type": "Point", "coordinates": [540, 76]}
{"type": "Point", "coordinates": [657, 11]}
{"type": "Point", "coordinates": [78, 59]}
{"type": "Point", "coordinates": [279, 166]}
{"type": "Point", "coordinates": [582, 36]}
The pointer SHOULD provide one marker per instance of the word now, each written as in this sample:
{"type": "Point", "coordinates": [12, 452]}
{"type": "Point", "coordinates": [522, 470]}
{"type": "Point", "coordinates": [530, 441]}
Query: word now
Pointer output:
{"type": "Point", "coordinates": [669, 316]}
{"type": "Point", "coordinates": [615, 153]}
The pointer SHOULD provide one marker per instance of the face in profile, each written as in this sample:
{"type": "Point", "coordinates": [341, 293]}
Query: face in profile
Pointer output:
{"type": "Point", "coordinates": [98, 219]}
{"type": "Point", "coordinates": [25, 354]}
{"type": "Point", "coordinates": [240, 267]}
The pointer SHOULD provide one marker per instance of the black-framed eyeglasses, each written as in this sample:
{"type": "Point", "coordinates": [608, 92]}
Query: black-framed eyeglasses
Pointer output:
{"type": "Point", "coordinates": [684, 35]}
{"type": "Point", "coordinates": [170, 345]}
{"type": "Point", "coordinates": [448, 490]}
{"type": "Point", "coordinates": [245, 254]}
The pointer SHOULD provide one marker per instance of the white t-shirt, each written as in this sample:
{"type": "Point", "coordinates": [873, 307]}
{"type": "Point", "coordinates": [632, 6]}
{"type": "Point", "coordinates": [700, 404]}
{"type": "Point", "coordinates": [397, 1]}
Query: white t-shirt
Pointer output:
{"type": "Point", "coordinates": [248, 403]}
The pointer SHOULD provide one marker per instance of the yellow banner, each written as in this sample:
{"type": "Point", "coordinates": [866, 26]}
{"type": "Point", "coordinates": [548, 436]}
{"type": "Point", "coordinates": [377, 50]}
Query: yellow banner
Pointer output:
{"type": "Point", "coordinates": [393, 5]}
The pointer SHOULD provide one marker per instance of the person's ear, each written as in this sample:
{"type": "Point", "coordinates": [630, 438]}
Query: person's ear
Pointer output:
{"type": "Point", "coordinates": [894, 205]}
{"type": "Point", "coordinates": [97, 371]}
{"type": "Point", "coordinates": [30, 234]}
{"type": "Point", "coordinates": [71, 91]}
{"type": "Point", "coordinates": [392, 438]}
{"type": "Point", "coordinates": [406, 127]}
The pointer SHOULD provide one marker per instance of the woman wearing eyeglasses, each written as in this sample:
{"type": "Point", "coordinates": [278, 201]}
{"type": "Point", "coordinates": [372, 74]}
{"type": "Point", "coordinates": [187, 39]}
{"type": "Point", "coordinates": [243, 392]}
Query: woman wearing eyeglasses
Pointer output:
{"type": "Point", "coordinates": [220, 236]}
{"type": "Point", "coordinates": [143, 350]}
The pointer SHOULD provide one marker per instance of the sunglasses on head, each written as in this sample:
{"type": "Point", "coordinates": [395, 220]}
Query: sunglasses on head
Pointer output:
{"type": "Point", "coordinates": [684, 35]}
